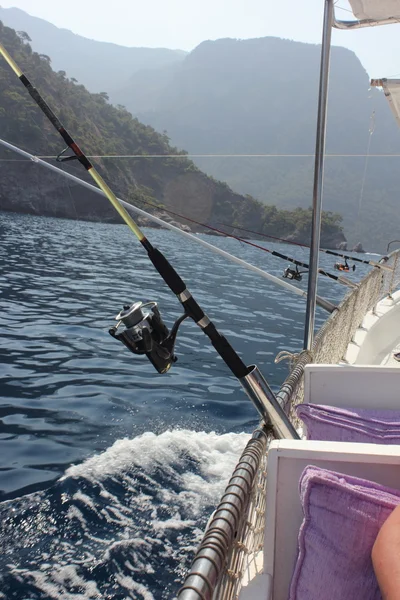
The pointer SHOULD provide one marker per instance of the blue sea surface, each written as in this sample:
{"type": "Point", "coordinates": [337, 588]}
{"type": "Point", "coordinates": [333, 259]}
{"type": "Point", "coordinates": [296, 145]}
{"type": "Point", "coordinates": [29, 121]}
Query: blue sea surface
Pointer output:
{"type": "Point", "coordinates": [108, 470]}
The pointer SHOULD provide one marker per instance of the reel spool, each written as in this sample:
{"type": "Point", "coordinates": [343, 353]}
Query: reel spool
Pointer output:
{"type": "Point", "coordinates": [344, 267]}
{"type": "Point", "coordinates": [146, 333]}
{"type": "Point", "coordinates": [294, 274]}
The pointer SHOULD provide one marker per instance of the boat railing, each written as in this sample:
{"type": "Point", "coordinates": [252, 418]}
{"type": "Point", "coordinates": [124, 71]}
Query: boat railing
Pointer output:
{"type": "Point", "coordinates": [235, 533]}
{"type": "Point", "coordinates": [392, 279]}
{"type": "Point", "coordinates": [332, 340]}
{"type": "Point", "coordinates": [245, 558]}
{"type": "Point", "coordinates": [233, 540]}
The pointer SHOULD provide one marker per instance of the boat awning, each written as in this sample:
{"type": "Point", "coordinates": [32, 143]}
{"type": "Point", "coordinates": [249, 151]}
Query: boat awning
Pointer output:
{"type": "Point", "coordinates": [391, 87]}
{"type": "Point", "coordinates": [375, 10]}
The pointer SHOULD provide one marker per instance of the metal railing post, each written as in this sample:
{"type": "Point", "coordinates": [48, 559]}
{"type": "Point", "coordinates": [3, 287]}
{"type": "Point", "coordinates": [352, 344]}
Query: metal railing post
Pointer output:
{"type": "Point", "coordinates": [318, 174]}
{"type": "Point", "coordinates": [265, 401]}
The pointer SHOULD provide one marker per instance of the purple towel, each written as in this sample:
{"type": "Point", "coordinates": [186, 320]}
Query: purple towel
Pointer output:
{"type": "Point", "coordinates": [331, 423]}
{"type": "Point", "coordinates": [342, 517]}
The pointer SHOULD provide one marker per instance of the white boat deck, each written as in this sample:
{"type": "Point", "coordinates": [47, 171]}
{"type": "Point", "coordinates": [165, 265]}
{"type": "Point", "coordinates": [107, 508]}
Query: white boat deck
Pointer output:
{"type": "Point", "coordinates": [389, 360]}
{"type": "Point", "coordinates": [287, 460]}
{"type": "Point", "coordinates": [368, 378]}
{"type": "Point", "coordinates": [378, 337]}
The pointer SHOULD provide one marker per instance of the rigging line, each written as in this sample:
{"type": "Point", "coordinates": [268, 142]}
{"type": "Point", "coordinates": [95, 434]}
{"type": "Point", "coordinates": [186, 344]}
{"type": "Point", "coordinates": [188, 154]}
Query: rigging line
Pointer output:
{"type": "Point", "coordinates": [265, 155]}
{"type": "Point", "coordinates": [298, 263]}
{"type": "Point", "coordinates": [139, 211]}
{"type": "Point", "coordinates": [372, 263]}
{"type": "Point", "coordinates": [272, 237]}
{"type": "Point", "coordinates": [345, 9]}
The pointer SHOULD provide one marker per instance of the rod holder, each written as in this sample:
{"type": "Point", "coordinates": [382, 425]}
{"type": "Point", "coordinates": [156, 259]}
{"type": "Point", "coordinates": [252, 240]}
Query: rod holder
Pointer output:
{"type": "Point", "coordinates": [265, 401]}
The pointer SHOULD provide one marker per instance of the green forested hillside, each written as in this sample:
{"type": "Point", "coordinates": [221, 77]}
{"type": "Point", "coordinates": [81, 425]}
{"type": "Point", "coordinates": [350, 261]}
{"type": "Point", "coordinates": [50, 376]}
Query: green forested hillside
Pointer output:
{"type": "Point", "coordinates": [102, 129]}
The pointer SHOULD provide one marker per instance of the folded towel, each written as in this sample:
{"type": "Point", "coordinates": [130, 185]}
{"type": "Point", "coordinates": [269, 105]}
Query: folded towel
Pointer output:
{"type": "Point", "coordinates": [342, 517]}
{"type": "Point", "coordinates": [331, 423]}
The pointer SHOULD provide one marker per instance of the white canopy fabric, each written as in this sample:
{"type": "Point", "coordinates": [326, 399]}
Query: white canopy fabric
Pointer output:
{"type": "Point", "coordinates": [391, 87]}
{"type": "Point", "coordinates": [376, 10]}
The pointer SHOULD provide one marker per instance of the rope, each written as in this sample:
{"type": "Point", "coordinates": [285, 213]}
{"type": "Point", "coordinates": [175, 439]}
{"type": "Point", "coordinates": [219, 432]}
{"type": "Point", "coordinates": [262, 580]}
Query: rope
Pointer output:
{"type": "Point", "coordinates": [292, 357]}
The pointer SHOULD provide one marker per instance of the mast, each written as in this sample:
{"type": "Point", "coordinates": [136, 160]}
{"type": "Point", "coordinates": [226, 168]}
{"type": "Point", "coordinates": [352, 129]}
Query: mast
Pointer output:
{"type": "Point", "coordinates": [318, 175]}
{"type": "Point", "coordinates": [369, 15]}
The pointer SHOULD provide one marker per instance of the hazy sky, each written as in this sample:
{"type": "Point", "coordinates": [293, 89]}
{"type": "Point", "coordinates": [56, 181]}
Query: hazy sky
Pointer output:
{"type": "Point", "coordinates": [185, 23]}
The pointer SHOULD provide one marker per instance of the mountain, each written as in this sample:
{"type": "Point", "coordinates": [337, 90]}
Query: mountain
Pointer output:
{"type": "Point", "coordinates": [254, 96]}
{"type": "Point", "coordinates": [153, 183]}
{"type": "Point", "coordinates": [100, 66]}
{"type": "Point", "coordinates": [259, 96]}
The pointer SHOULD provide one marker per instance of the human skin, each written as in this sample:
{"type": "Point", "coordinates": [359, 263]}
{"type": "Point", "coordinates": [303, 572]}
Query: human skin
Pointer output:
{"type": "Point", "coordinates": [386, 557]}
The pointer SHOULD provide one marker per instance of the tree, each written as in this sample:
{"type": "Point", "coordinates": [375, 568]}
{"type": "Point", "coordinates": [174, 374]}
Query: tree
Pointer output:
{"type": "Point", "coordinates": [103, 129]}
{"type": "Point", "coordinates": [45, 57]}
{"type": "Point", "coordinates": [24, 36]}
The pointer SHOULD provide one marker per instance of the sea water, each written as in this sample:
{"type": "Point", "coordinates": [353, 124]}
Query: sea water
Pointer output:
{"type": "Point", "coordinates": [108, 470]}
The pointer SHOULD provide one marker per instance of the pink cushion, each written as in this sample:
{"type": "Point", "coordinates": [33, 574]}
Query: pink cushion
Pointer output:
{"type": "Point", "coordinates": [331, 423]}
{"type": "Point", "coordinates": [342, 517]}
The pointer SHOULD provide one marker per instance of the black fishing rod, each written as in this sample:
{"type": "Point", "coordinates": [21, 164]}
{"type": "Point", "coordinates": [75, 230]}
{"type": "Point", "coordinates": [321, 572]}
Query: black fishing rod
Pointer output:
{"type": "Point", "coordinates": [347, 257]}
{"type": "Point", "coordinates": [145, 332]}
{"type": "Point", "coordinates": [288, 273]}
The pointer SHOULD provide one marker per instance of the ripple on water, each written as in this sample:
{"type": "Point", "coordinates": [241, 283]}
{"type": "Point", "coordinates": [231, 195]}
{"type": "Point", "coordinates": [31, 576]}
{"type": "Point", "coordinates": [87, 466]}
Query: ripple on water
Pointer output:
{"type": "Point", "coordinates": [151, 452]}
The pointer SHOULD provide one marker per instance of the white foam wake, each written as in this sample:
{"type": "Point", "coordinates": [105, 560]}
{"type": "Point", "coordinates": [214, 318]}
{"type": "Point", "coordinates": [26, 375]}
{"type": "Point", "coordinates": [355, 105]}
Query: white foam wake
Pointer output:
{"type": "Point", "coordinates": [131, 518]}
{"type": "Point", "coordinates": [215, 455]}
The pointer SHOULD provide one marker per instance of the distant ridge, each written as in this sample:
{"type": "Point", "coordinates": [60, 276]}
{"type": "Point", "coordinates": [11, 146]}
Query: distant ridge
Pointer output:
{"type": "Point", "coordinates": [259, 96]}
{"type": "Point", "coordinates": [154, 184]}
{"type": "Point", "coordinates": [255, 96]}
{"type": "Point", "coordinates": [100, 66]}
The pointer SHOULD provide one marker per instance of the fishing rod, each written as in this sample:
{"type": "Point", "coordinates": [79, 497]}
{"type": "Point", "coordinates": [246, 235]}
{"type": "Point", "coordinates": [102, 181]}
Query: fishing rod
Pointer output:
{"type": "Point", "coordinates": [144, 331]}
{"type": "Point", "coordinates": [371, 263]}
{"type": "Point", "coordinates": [288, 273]}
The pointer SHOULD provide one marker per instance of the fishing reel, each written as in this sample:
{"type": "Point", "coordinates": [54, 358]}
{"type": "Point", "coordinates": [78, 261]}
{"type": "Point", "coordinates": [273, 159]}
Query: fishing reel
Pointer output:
{"type": "Point", "coordinates": [146, 333]}
{"type": "Point", "coordinates": [344, 267]}
{"type": "Point", "coordinates": [295, 274]}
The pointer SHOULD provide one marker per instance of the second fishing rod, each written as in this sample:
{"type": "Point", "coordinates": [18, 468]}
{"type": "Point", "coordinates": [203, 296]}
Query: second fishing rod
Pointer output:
{"type": "Point", "coordinates": [347, 257]}
{"type": "Point", "coordinates": [143, 330]}
{"type": "Point", "coordinates": [288, 273]}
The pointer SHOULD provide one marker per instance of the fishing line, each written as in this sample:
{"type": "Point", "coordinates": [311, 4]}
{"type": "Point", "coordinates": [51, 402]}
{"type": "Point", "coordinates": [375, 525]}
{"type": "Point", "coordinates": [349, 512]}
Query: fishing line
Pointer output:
{"type": "Point", "coordinates": [372, 263]}
{"type": "Point", "coordinates": [298, 263]}
{"type": "Point", "coordinates": [320, 301]}
{"type": "Point", "coordinates": [196, 239]}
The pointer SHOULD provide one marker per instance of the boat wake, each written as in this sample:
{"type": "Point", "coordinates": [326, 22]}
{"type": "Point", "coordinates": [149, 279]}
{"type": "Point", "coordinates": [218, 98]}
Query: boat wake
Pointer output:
{"type": "Point", "coordinates": [123, 524]}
